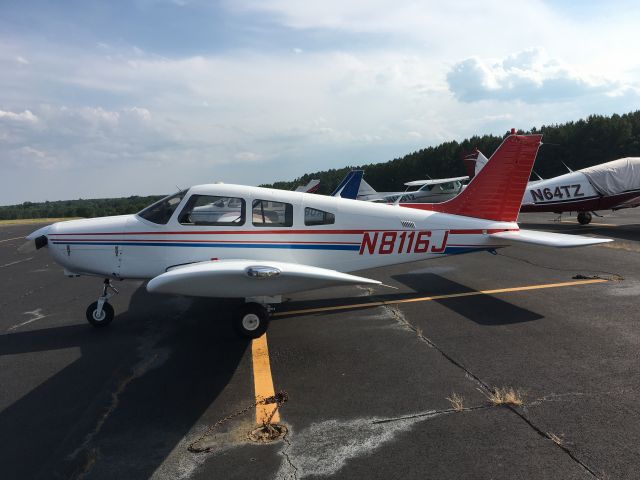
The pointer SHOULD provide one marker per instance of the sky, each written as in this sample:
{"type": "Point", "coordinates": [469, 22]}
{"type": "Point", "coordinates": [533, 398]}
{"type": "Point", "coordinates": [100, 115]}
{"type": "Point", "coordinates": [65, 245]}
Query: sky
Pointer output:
{"type": "Point", "coordinates": [136, 97]}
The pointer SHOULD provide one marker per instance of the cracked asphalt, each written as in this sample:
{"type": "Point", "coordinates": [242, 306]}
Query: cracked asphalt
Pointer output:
{"type": "Point", "coordinates": [368, 388]}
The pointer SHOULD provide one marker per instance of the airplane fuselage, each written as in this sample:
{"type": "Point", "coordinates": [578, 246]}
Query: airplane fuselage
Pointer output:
{"type": "Point", "coordinates": [355, 235]}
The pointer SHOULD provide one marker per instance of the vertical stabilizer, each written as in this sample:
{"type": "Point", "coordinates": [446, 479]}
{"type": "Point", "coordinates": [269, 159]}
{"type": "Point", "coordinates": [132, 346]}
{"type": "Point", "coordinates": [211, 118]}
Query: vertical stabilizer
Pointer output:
{"type": "Point", "coordinates": [496, 192]}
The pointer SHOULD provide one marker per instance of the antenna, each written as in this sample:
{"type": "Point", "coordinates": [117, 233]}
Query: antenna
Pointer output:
{"type": "Point", "coordinates": [567, 167]}
{"type": "Point", "coordinates": [536, 174]}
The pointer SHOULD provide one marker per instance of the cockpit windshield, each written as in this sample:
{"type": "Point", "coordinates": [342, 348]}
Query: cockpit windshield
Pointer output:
{"type": "Point", "coordinates": [161, 211]}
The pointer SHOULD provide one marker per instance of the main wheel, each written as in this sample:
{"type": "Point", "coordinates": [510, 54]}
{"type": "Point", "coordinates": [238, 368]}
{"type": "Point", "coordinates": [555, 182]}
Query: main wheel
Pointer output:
{"type": "Point", "coordinates": [584, 218]}
{"type": "Point", "coordinates": [251, 320]}
{"type": "Point", "coordinates": [105, 317]}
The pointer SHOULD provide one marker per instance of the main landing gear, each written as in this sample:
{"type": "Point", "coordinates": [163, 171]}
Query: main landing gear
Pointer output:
{"type": "Point", "coordinates": [100, 313]}
{"type": "Point", "coordinates": [584, 218]}
{"type": "Point", "coordinates": [252, 319]}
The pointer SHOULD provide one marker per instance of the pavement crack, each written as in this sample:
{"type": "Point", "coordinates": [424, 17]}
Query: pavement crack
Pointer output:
{"type": "Point", "coordinates": [115, 400]}
{"type": "Point", "coordinates": [550, 437]}
{"type": "Point", "coordinates": [432, 414]}
{"type": "Point", "coordinates": [484, 387]}
{"type": "Point", "coordinates": [150, 357]}
{"type": "Point", "coordinates": [291, 472]}
{"type": "Point", "coordinates": [612, 276]}
{"type": "Point", "coordinates": [399, 316]}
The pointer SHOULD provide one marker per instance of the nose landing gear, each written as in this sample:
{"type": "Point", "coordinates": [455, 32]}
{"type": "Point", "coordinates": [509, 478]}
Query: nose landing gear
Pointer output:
{"type": "Point", "coordinates": [100, 313]}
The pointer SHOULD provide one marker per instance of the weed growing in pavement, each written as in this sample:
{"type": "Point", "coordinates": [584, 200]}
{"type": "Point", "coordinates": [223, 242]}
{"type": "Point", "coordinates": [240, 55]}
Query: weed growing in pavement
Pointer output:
{"type": "Point", "coordinates": [505, 396]}
{"type": "Point", "coordinates": [457, 402]}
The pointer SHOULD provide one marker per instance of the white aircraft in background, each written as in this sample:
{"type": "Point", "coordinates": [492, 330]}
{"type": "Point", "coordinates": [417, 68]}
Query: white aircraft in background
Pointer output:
{"type": "Point", "coordinates": [278, 242]}
{"type": "Point", "coordinates": [418, 191]}
{"type": "Point", "coordinates": [609, 186]}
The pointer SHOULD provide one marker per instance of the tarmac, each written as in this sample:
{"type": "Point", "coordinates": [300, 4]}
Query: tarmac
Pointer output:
{"type": "Point", "coordinates": [370, 373]}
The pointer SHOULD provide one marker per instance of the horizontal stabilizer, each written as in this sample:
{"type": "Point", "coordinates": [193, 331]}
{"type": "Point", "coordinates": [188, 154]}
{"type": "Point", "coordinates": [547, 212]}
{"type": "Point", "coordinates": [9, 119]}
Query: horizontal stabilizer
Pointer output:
{"type": "Point", "coordinates": [248, 278]}
{"type": "Point", "coordinates": [548, 239]}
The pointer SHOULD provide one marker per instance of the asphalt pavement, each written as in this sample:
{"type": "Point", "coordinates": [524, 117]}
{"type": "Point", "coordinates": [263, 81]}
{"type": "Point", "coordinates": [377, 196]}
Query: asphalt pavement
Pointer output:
{"type": "Point", "coordinates": [369, 372]}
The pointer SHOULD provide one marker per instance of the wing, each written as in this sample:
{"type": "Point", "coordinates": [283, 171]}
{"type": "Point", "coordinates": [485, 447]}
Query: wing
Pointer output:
{"type": "Point", "coordinates": [436, 181]}
{"type": "Point", "coordinates": [248, 278]}
{"type": "Point", "coordinates": [548, 239]}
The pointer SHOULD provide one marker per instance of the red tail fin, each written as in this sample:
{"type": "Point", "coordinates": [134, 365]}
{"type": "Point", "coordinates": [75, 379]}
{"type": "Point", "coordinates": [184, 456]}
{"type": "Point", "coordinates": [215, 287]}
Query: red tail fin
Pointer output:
{"type": "Point", "coordinates": [496, 192]}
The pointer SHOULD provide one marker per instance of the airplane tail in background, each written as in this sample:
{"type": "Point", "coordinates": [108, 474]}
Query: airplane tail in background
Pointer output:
{"type": "Point", "coordinates": [350, 185]}
{"type": "Point", "coordinates": [496, 192]}
{"type": "Point", "coordinates": [474, 162]}
{"type": "Point", "coordinates": [366, 191]}
{"type": "Point", "coordinates": [311, 187]}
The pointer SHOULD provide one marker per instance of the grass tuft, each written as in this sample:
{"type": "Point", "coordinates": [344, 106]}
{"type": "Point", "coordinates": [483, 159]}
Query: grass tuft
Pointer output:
{"type": "Point", "coordinates": [555, 438]}
{"type": "Point", "coordinates": [457, 402]}
{"type": "Point", "coordinates": [505, 396]}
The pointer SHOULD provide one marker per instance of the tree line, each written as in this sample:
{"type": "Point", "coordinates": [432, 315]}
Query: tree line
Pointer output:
{"type": "Point", "coordinates": [583, 143]}
{"type": "Point", "coordinates": [100, 207]}
{"type": "Point", "coordinates": [579, 144]}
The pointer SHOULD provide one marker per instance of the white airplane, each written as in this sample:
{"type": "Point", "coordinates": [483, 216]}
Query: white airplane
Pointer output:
{"type": "Point", "coordinates": [609, 186]}
{"type": "Point", "coordinates": [418, 191]}
{"type": "Point", "coordinates": [286, 242]}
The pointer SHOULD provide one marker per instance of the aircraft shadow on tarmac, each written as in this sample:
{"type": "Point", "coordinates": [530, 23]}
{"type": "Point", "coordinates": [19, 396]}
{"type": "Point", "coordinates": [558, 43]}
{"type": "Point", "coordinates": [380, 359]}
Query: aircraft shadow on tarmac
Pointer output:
{"type": "Point", "coordinates": [179, 374]}
{"type": "Point", "coordinates": [482, 309]}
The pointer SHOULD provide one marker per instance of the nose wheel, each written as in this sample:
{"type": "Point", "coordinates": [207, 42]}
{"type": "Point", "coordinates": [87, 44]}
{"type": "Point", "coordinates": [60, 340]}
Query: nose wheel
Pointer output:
{"type": "Point", "coordinates": [100, 317]}
{"type": "Point", "coordinates": [101, 313]}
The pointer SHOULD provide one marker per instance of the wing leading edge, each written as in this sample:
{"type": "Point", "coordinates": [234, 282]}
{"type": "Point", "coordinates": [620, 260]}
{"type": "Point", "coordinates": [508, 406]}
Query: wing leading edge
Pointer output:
{"type": "Point", "coordinates": [248, 278]}
{"type": "Point", "coordinates": [548, 239]}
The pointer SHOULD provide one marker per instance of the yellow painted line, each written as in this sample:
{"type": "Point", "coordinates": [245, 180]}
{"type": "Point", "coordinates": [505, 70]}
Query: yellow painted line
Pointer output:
{"type": "Point", "coordinates": [9, 239]}
{"type": "Point", "coordinates": [440, 297]}
{"type": "Point", "coordinates": [262, 381]}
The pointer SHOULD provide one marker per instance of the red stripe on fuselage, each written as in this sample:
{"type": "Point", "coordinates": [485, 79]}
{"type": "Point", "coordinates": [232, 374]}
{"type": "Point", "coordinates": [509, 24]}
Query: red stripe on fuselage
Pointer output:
{"type": "Point", "coordinates": [278, 232]}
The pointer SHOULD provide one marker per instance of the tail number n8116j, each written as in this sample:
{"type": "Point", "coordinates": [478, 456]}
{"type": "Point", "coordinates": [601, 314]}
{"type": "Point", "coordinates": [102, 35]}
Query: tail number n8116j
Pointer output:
{"type": "Point", "coordinates": [385, 243]}
{"type": "Point", "coordinates": [563, 191]}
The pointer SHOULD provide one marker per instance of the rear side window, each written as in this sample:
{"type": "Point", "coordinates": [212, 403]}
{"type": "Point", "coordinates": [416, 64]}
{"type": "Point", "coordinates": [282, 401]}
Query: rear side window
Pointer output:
{"type": "Point", "coordinates": [213, 210]}
{"type": "Point", "coordinates": [313, 216]}
{"type": "Point", "coordinates": [266, 213]}
{"type": "Point", "coordinates": [161, 211]}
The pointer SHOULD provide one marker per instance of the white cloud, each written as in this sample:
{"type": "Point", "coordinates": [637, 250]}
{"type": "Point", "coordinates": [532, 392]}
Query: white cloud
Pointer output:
{"type": "Point", "coordinates": [30, 157]}
{"type": "Point", "coordinates": [21, 60]}
{"type": "Point", "coordinates": [25, 116]}
{"type": "Point", "coordinates": [529, 76]}
{"type": "Point", "coordinates": [343, 83]}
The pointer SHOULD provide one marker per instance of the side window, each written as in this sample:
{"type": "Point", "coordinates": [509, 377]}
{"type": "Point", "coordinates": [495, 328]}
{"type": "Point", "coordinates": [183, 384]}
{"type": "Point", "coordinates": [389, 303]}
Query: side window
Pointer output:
{"type": "Point", "coordinates": [272, 214]}
{"type": "Point", "coordinates": [213, 210]}
{"type": "Point", "coordinates": [318, 217]}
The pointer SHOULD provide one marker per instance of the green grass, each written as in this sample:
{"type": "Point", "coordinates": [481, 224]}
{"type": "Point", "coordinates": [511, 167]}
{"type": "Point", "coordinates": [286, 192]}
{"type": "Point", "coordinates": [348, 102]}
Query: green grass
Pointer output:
{"type": "Point", "coordinates": [28, 221]}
